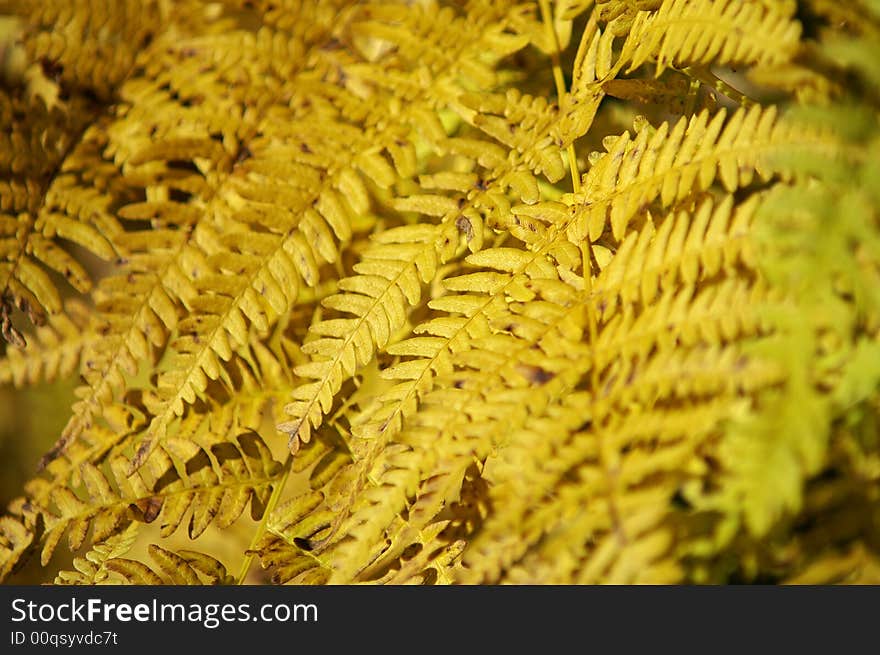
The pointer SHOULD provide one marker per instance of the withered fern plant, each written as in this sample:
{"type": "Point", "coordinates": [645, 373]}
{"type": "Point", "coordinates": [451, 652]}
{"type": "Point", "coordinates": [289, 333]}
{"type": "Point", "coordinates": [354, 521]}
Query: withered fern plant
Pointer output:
{"type": "Point", "coordinates": [466, 291]}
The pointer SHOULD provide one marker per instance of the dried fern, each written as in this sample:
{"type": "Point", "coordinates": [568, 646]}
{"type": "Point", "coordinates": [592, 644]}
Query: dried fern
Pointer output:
{"type": "Point", "coordinates": [445, 292]}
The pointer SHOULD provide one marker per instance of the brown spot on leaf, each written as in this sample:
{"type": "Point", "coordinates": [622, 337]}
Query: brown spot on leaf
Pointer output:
{"type": "Point", "coordinates": [535, 374]}
{"type": "Point", "coordinates": [464, 225]}
{"type": "Point", "coordinates": [8, 330]}
{"type": "Point", "coordinates": [244, 153]}
{"type": "Point", "coordinates": [51, 69]}
{"type": "Point", "coordinates": [148, 508]}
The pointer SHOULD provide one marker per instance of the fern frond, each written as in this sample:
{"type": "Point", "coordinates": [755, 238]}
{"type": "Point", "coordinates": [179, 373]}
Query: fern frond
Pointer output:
{"type": "Point", "coordinates": [661, 394]}
{"type": "Point", "coordinates": [391, 272]}
{"type": "Point", "coordinates": [130, 326]}
{"type": "Point", "coordinates": [15, 544]}
{"type": "Point", "coordinates": [97, 53]}
{"type": "Point", "coordinates": [54, 353]}
{"type": "Point", "coordinates": [347, 224]}
{"type": "Point", "coordinates": [637, 549]}
{"type": "Point", "coordinates": [522, 124]}
{"type": "Point", "coordinates": [828, 338]}
{"type": "Point", "coordinates": [217, 482]}
{"type": "Point", "coordinates": [38, 141]}
{"type": "Point", "coordinates": [671, 162]}
{"type": "Point", "coordinates": [521, 276]}
{"type": "Point", "coordinates": [288, 564]}
{"type": "Point", "coordinates": [255, 382]}
{"type": "Point", "coordinates": [184, 567]}
{"type": "Point", "coordinates": [104, 564]}
{"type": "Point", "coordinates": [92, 567]}
{"type": "Point", "coordinates": [41, 204]}
{"type": "Point", "coordinates": [189, 273]}
{"type": "Point", "coordinates": [444, 375]}
{"type": "Point", "coordinates": [729, 32]}
{"type": "Point", "coordinates": [688, 247]}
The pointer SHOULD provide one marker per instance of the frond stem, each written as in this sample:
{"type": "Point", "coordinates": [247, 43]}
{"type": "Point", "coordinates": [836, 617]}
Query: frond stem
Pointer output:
{"type": "Point", "coordinates": [586, 252]}
{"type": "Point", "coordinates": [261, 528]}
{"type": "Point", "coordinates": [547, 17]}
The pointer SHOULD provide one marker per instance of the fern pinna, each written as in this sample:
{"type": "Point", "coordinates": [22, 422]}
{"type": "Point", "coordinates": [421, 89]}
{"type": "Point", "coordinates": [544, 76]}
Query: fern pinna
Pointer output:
{"type": "Point", "coordinates": [461, 291]}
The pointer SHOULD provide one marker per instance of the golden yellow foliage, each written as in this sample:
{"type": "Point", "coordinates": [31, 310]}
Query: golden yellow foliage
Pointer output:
{"type": "Point", "coordinates": [465, 291]}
